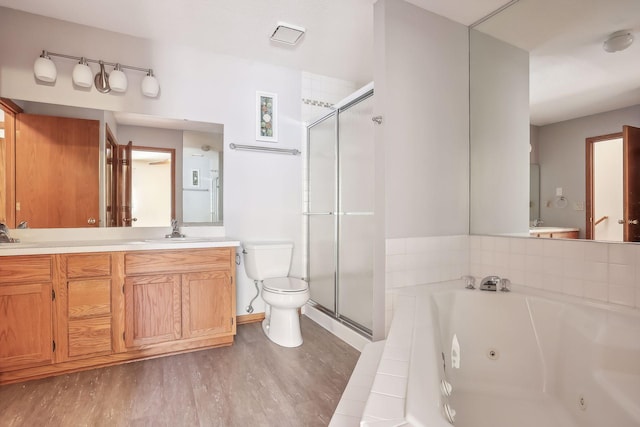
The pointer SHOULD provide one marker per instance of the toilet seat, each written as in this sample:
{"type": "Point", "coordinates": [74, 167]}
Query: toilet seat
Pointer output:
{"type": "Point", "coordinates": [285, 285]}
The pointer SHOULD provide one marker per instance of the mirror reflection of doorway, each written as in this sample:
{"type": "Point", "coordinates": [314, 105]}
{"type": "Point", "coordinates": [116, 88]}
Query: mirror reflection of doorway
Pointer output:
{"type": "Point", "coordinates": [153, 172]}
{"type": "Point", "coordinates": [613, 186]}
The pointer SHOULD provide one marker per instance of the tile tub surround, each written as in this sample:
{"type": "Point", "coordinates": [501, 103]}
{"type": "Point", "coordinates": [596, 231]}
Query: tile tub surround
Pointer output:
{"type": "Point", "coordinates": [599, 271]}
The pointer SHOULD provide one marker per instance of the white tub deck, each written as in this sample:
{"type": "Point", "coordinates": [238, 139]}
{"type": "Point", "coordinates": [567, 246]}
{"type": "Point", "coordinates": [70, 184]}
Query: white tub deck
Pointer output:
{"type": "Point", "coordinates": [562, 362]}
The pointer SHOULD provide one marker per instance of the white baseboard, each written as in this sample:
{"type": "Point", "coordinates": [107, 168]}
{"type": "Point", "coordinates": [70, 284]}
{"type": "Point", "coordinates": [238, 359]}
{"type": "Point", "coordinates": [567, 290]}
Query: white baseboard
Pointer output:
{"type": "Point", "coordinates": [343, 332]}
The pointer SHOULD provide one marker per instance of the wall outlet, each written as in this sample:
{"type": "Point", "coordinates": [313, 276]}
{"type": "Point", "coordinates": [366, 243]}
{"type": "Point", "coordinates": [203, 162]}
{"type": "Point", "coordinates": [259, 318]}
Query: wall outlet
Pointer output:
{"type": "Point", "coordinates": [578, 206]}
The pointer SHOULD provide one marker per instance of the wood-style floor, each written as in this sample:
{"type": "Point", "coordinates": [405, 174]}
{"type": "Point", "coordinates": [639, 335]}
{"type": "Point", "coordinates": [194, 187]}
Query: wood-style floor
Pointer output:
{"type": "Point", "coordinates": [252, 383]}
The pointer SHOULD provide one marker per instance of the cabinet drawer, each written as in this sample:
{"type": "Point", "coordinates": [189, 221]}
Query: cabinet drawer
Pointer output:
{"type": "Point", "coordinates": [89, 298]}
{"type": "Point", "coordinates": [17, 269]}
{"type": "Point", "coordinates": [89, 336]}
{"type": "Point", "coordinates": [177, 261]}
{"type": "Point", "coordinates": [88, 265]}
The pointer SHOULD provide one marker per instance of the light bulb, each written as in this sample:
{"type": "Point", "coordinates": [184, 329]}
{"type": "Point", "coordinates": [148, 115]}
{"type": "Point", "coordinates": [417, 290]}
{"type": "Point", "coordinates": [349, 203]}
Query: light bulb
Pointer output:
{"type": "Point", "coordinates": [118, 80]}
{"type": "Point", "coordinates": [82, 74]}
{"type": "Point", "coordinates": [150, 85]}
{"type": "Point", "coordinates": [44, 68]}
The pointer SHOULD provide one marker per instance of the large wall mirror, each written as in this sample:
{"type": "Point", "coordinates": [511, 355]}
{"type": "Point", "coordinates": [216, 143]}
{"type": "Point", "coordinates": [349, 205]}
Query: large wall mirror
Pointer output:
{"type": "Point", "coordinates": [63, 167]}
{"type": "Point", "coordinates": [578, 93]}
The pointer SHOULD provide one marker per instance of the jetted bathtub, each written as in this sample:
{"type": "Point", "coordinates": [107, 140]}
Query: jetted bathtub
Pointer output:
{"type": "Point", "coordinates": [520, 359]}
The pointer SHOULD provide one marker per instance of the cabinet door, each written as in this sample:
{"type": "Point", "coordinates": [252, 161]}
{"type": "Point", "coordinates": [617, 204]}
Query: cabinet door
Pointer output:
{"type": "Point", "coordinates": [206, 304]}
{"type": "Point", "coordinates": [152, 309]}
{"type": "Point", "coordinates": [25, 325]}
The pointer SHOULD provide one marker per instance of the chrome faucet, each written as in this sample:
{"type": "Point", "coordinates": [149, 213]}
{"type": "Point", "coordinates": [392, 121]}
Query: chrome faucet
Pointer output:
{"type": "Point", "coordinates": [489, 283]}
{"type": "Point", "coordinates": [175, 230]}
{"type": "Point", "coordinates": [4, 234]}
{"type": "Point", "coordinates": [469, 281]}
{"type": "Point", "coordinates": [537, 222]}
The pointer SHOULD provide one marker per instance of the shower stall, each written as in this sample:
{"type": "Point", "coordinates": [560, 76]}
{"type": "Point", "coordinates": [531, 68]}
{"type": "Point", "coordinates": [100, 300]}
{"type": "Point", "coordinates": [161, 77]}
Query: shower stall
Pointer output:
{"type": "Point", "coordinates": [339, 212]}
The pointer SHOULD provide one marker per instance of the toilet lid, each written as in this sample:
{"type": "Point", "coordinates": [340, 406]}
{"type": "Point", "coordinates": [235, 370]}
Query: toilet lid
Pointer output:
{"type": "Point", "coordinates": [285, 285]}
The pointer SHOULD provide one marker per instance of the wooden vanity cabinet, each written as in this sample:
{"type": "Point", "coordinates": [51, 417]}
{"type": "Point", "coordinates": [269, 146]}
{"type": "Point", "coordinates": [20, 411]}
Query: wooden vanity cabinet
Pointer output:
{"type": "Point", "coordinates": [26, 302]}
{"type": "Point", "coordinates": [68, 312]}
{"type": "Point", "coordinates": [557, 235]}
{"type": "Point", "coordinates": [179, 296]}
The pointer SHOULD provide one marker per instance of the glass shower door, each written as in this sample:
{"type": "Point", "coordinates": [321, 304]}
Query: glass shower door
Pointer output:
{"type": "Point", "coordinates": [322, 196]}
{"type": "Point", "coordinates": [355, 219]}
{"type": "Point", "coordinates": [340, 213]}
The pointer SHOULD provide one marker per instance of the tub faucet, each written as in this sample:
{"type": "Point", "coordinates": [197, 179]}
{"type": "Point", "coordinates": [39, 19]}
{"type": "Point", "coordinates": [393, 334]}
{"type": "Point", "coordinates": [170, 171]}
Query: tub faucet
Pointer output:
{"type": "Point", "coordinates": [490, 283]}
{"type": "Point", "coordinates": [469, 281]}
{"type": "Point", "coordinates": [537, 222]}
{"type": "Point", "coordinates": [175, 230]}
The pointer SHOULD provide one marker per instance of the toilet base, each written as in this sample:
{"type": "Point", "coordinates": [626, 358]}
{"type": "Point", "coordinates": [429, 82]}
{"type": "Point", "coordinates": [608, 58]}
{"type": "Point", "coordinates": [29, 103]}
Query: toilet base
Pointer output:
{"type": "Point", "coordinates": [282, 327]}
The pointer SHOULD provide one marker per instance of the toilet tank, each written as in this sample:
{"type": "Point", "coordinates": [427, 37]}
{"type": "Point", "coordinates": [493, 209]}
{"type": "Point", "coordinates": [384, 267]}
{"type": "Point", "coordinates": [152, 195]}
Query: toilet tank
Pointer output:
{"type": "Point", "coordinates": [265, 260]}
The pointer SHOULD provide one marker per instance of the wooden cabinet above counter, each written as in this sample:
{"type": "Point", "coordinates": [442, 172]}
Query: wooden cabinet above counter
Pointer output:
{"type": "Point", "coordinates": [66, 312]}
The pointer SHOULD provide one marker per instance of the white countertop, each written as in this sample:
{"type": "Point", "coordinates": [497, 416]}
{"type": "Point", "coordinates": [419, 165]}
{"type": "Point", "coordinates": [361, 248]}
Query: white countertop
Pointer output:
{"type": "Point", "coordinates": [113, 245]}
{"type": "Point", "coordinates": [536, 230]}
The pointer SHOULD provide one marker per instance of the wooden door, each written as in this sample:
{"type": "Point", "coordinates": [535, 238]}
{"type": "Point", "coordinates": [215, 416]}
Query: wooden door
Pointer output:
{"type": "Point", "coordinates": [124, 180]}
{"type": "Point", "coordinates": [152, 309]}
{"type": "Point", "coordinates": [206, 304]}
{"type": "Point", "coordinates": [25, 325]}
{"type": "Point", "coordinates": [57, 162]}
{"type": "Point", "coordinates": [631, 173]}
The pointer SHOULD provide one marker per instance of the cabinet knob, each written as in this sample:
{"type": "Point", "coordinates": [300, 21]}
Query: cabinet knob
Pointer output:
{"type": "Point", "coordinates": [91, 221]}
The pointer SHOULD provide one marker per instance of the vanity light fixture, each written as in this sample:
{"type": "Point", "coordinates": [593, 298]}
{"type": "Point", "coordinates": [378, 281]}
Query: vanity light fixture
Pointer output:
{"type": "Point", "coordinates": [620, 40]}
{"type": "Point", "coordinates": [45, 70]}
{"type": "Point", "coordinates": [287, 33]}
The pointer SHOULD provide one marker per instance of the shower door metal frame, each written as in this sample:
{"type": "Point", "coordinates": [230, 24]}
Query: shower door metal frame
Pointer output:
{"type": "Point", "coordinates": [335, 313]}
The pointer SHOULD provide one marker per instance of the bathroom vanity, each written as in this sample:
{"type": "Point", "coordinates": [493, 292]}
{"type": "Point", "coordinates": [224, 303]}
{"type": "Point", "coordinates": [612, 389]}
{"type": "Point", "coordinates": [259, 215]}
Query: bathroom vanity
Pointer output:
{"type": "Point", "coordinates": [87, 304]}
{"type": "Point", "coordinates": [555, 232]}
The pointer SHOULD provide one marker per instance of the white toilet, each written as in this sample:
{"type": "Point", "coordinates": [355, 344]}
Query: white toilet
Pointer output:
{"type": "Point", "coordinates": [269, 263]}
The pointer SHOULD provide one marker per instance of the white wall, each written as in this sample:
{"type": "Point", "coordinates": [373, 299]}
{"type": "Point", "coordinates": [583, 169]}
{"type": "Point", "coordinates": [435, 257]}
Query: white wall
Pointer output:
{"type": "Point", "coordinates": [262, 198]}
{"type": "Point", "coordinates": [499, 92]}
{"type": "Point", "coordinates": [422, 147]}
{"type": "Point", "coordinates": [424, 101]}
{"type": "Point", "coordinates": [150, 195]}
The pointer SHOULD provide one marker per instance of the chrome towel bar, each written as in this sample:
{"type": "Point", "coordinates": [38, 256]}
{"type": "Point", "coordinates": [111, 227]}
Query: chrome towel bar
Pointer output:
{"type": "Point", "coordinates": [291, 151]}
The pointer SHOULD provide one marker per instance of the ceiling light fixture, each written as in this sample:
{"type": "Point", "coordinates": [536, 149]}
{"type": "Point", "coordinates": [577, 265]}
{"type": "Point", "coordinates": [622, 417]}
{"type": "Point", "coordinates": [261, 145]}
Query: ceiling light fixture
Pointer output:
{"type": "Point", "coordinates": [45, 70]}
{"type": "Point", "coordinates": [287, 33]}
{"type": "Point", "coordinates": [620, 40]}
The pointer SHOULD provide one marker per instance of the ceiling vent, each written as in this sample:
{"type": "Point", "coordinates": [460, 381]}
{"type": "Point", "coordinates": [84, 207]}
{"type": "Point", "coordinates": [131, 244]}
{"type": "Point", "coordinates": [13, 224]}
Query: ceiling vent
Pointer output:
{"type": "Point", "coordinates": [287, 33]}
